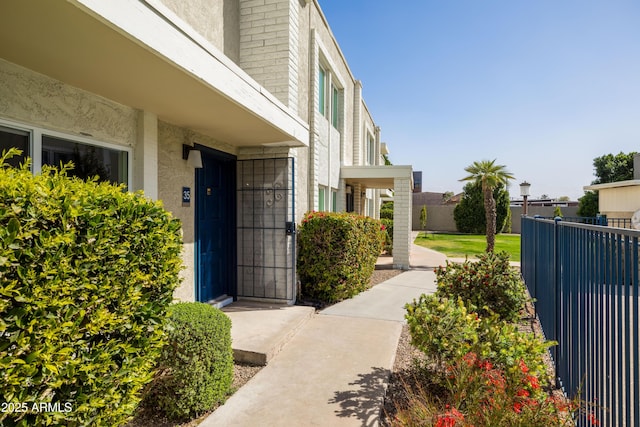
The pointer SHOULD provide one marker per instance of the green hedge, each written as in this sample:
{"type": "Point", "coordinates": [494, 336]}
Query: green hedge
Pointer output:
{"type": "Point", "coordinates": [196, 367]}
{"type": "Point", "coordinates": [87, 271]}
{"type": "Point", "coordinates": [337, 254]}
{"type": "Point", "coordinates": [388, 238]}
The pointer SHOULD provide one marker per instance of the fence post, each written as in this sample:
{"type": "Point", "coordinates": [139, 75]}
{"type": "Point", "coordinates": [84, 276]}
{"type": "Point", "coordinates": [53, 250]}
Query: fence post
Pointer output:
{"type": "Point", "coordinates": [557, 284]}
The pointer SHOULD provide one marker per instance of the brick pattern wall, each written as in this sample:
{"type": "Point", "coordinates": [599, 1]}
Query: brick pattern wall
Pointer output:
{"type": "Point", "coordinates": [269, 37]}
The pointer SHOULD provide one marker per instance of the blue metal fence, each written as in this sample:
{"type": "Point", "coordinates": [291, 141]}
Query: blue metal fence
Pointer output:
{"type": "Point", "coordinates": [585, 282]}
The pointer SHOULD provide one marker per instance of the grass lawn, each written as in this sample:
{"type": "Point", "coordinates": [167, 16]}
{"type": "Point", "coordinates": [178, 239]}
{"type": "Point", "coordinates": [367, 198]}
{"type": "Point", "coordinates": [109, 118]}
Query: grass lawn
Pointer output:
{"type": "Point", "coordinates": [471, 245]}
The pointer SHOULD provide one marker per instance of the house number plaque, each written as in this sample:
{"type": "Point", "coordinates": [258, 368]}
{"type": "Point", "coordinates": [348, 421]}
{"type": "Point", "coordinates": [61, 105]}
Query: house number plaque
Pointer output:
{"type": "Point", "coordinates": [186, 197]}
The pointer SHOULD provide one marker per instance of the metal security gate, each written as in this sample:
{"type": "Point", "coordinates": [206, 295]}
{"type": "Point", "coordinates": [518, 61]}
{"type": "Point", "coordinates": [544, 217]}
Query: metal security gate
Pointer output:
{"type": "Point", "coordinates": [266, 229]}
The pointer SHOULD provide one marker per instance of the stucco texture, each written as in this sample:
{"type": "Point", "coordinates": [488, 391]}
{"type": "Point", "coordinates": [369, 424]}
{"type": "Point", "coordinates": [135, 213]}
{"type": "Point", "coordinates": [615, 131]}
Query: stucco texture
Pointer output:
{"type": "Point", "coordinates": [37, 100]}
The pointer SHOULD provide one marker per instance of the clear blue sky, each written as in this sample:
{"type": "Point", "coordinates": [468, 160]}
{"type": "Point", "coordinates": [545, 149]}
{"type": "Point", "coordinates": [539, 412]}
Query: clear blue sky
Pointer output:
{"type": "Point", "coordinates": [543, 86]}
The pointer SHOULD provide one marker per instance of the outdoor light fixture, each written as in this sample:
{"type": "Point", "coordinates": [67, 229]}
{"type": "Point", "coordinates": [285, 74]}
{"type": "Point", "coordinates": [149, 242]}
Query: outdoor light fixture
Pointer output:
{"type": "Point", "coordinates": [524, 192]}
{"type": "Point", "coordinates": [192, 156]}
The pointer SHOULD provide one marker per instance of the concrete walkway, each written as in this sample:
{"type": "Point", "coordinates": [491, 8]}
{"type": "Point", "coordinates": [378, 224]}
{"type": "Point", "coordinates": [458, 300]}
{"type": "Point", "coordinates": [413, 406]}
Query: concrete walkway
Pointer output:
{"type": "Point", "coordinates": [334, 370]}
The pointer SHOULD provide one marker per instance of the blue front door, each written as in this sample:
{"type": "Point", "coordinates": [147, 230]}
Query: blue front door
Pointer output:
{"type": "Point", "coordinates": [215, 225]}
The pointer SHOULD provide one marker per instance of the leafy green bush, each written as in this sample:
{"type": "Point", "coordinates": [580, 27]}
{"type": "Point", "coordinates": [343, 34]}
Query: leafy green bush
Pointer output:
{"type": "Point", "coordinates": [490, 284]}
{"type": "Point", "coordinates": [386, 210]}
{"type": "Point", "coordinates": [195, 370]}
{"type": "Point", "coordinates": [506, 346]}
{"type": "Point", "coordinates": [388, 238]}
{"type": "Point", "coordinates": [87, 272]}
{"type": "Point", "coordinates": [337, 254]}
{"type": "Point", "coordinates": [443, 329]}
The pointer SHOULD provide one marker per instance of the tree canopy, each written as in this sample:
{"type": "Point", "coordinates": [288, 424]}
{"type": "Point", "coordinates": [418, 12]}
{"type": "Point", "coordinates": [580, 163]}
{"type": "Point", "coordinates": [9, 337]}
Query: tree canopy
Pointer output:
{"type": "Point", "coordinates": [613, 168]}
{"type": "Point", "coordinates": [469, 214]}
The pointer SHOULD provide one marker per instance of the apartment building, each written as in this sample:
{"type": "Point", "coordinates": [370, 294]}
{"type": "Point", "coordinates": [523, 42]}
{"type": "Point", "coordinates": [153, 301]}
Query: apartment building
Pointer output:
{"type": "Point", "coordinates": [240, 115]}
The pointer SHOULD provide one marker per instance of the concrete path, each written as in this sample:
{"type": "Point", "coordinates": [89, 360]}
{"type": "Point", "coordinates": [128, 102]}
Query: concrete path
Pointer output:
{"type": "Point", "coordinates": [334, 371]}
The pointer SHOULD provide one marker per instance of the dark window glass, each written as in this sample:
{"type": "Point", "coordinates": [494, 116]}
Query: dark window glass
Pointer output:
{"type": "Point", "coordinates": [14, 138]}
{"type": "Point", "coordinates": [88, 160]}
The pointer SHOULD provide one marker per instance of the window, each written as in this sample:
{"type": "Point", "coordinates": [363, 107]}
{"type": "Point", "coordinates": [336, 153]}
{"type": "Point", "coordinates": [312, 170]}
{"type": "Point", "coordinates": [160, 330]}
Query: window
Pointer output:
{"type": "Point", "coordinates": [334, 201]}
{"type": "Point", "coordinates": [90, 158]}
{"type": "Point", "coordinates": [19, 139]}
{"type": "Point", "coordinates": [322, 76]}
{"type": "Point", "coordinates": [371, 150]}
{"type": "Point", "coordinates": [321, 196]}
{"type": "Point", "coordinates": [335, 112]}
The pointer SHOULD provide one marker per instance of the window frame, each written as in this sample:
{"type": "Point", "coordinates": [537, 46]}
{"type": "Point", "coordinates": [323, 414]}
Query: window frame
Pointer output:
{"type": "Point", "coordinates": [322, 194]}
{"type": "Point", "coordinates": [322, 84]}
{"type": "Point", "coordinates": [36, 134]}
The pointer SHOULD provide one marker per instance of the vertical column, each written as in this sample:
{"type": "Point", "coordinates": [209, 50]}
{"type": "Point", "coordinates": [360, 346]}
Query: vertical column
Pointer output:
{"type": "Point", "coordinates": [145, 155]}
{"type": "Point", "coordinates": [401, 223]}
{"type": "Point", "coordinates": [314, 159]}
{"type": "Point", "coordinates": [358, 158]}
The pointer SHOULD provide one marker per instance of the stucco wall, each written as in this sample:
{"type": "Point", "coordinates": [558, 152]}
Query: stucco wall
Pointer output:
{"type": "Point", "coordinates": [440, 218]}
{"type": "Point", "coordinates": [619, 202]}
{"type": "Point", "coordinates": [38, 100]}
{"type": "Point", "coordinates": [173, 174]}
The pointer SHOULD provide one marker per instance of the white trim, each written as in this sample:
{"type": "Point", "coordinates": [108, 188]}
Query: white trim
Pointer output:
{"type": "Point", "coordinates": [627, 183]}
{"type": "Point", "coordinates": [155, 28]}
{"type": "Point", "coordinates": [35, 145]}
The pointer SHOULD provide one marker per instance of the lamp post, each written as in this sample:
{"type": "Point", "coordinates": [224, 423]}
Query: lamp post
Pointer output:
{"type": "Point", "coordinates": [524, 192]}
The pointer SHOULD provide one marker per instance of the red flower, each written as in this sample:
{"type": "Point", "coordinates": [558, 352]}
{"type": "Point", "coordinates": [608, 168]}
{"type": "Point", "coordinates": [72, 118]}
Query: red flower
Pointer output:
{"type": "Point", "coordinates": [522, 393]}
{"type": "Point", "coordinates": [517, 407]}
{"type": "Point", "coordinates": [523, 366]}
{"type": "Point", "coordinates": [593, 420]}
{"type": "Point", "coordinates": [533, 382]}
{"type": "Point", "coordinates": [450, 418]}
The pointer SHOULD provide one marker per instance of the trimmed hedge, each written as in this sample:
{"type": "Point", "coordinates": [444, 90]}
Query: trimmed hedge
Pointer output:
{"type": "Point", "coordinates": [87, 271]}
{"type": "Point", "coordinates": [195, 370]}
{"type": "Point", "coordinates": [388, 238]}
{"type": "Point", "coordinates": [337, 254]}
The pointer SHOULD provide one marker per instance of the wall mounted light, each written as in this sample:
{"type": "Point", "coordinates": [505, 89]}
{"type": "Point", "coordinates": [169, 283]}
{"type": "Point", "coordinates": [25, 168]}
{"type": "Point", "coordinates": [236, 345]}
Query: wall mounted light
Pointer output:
{"type": "Point", "coordinates": [192, 156]}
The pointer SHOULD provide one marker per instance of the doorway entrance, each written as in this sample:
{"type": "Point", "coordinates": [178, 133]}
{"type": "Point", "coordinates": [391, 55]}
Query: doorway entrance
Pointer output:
{"type": "Point", "coordinates": [215, 225]}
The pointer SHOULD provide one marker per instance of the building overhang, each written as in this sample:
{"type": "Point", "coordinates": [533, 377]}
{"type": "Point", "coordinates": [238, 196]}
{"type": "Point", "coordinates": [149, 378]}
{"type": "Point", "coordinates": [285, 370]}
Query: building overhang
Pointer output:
{"type": "Point", "coordinates": [376, 176]}
{"type": "Point", "coordinates": [628, 183]}
{"type": "Point", "coordinates": [138, 54]}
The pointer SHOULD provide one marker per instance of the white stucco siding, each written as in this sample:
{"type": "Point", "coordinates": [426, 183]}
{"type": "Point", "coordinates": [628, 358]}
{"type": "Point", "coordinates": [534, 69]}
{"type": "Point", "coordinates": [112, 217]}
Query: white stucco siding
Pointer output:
{"type": "Point", "coordinates": [204, 16]}
{"type": "Point", "coordinates": [38, 100]}
{"type": "Point", "coordinates": [620, 199]}
{"type": "Point", "coordinates": [173, 174]}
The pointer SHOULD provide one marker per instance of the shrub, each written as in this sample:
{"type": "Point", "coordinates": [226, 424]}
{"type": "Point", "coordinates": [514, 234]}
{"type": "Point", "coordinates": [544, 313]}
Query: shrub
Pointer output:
{"type": "Point", "coordinates": [87, 271]}
{"type": "Point", "coordinates": [490, 284]}
{"type": "Point", "coordinates": [337, 254]}
{"type": "Point", "coordinates": [445, 329]}
{"type": "Point", "coordinates": [388, 237]}
{"type": "Point", "coordinates": [478, 393]}
{"type": "Point", "coordinates": [506, 346]}
{"type": "Point", "coordinates": [386, 210]}
{"type": "Point", "coordinates": [442, 328]}
{"type": "Point", "coordinates": [195, 370]}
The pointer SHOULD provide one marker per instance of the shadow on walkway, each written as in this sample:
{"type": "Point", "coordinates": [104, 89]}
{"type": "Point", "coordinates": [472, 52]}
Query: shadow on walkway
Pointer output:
{"type": "Point", "coordinates": [364, 401]}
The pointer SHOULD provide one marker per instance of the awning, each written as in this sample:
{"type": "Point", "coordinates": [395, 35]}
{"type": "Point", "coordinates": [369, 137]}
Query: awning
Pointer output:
{"type": "Point", "coordinates": [128, 52]}
{"type": "Point", "coordinates": [376, 176]}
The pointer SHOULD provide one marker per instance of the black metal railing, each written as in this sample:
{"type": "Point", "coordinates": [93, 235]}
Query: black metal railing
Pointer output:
{"type": "Point", "coordinates": [595, 220]}
{"type": "Point", "coordinates": [584, 279]}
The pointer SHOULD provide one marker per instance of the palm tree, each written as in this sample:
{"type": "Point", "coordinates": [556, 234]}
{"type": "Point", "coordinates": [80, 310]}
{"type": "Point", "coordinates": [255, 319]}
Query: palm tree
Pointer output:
{"type": "Point", "coordinates": [489, 175]}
